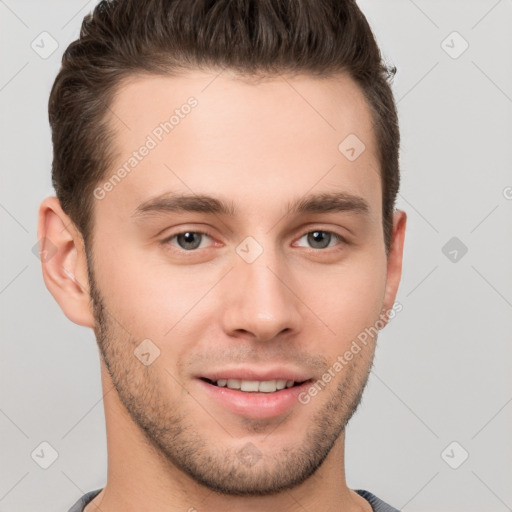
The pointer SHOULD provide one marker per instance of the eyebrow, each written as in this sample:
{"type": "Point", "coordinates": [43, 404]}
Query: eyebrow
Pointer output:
{"type": "Point", "coordinates": [327, 202]}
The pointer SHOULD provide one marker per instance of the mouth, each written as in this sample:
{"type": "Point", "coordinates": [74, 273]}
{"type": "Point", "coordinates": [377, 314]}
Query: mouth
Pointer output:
{"type": "Point", "coordinates": [254, 399]}
{"type": "Point", "coordinates": [255, 386]}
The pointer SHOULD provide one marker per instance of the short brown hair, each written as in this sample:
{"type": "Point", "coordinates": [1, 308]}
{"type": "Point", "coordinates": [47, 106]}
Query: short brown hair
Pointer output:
{"type": "Point", "coordinates": [122, 38]}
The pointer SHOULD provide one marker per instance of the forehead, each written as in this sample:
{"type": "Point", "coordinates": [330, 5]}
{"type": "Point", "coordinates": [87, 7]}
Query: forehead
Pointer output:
{"type": "Point", "coordinates": [214, 132]}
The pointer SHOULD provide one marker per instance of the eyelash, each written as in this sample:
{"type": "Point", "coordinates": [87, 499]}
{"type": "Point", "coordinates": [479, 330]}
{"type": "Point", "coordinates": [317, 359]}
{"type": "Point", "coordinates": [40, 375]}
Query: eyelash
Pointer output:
{"type": "Point", "coordinates": [167, 241]}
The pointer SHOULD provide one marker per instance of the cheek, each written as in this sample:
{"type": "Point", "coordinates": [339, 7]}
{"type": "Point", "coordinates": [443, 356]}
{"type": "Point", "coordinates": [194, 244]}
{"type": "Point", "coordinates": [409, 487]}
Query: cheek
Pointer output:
{"type": "Point", "coordinates": [144, 296]}
{"type": "Point", "coordinates": [150, 297]}
{"type": "Point", "coordinates": [150, 303]}
{"type": "Point", "coordinates": [348, 299]}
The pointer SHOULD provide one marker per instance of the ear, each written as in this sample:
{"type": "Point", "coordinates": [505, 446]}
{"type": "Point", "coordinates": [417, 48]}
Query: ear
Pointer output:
{"type": "Point", "coordinates": [394, 264]}
{"type": "Point", "coordinates": [62, 254]}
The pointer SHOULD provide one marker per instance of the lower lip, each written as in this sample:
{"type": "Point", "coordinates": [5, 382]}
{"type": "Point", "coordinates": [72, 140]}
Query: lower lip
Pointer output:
{"type": "Point", "coordinates": [255, 405]}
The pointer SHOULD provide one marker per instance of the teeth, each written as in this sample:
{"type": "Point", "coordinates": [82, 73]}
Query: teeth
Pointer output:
{"type": "Point", "coordinates": [233, 383]}
{"type": "Point", "coordinates": [252, 385]}
{"type": "Point", "coordinates": [281, 384]}
{"type": "Point", "coordinates": [265, 386]}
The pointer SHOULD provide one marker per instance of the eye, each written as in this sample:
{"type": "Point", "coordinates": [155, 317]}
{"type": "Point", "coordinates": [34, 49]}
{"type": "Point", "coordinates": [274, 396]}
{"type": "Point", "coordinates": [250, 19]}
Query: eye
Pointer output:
{"type": "Point", "coordinates": [187, 240]}
{"type": "Point", "coordinates": [321, 239]}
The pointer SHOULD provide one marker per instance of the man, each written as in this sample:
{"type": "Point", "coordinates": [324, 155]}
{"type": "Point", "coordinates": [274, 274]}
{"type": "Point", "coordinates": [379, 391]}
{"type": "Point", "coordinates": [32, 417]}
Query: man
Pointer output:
{"type": "Point", "coordinates": [226, 174]}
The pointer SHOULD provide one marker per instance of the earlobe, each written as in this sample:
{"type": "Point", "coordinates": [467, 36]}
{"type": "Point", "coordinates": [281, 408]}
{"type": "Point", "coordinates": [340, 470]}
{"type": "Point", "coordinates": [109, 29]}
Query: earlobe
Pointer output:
{"type": "Point", "coordinates": [394, 262]}
{"type": "Point", "coordinates": [63, 261]}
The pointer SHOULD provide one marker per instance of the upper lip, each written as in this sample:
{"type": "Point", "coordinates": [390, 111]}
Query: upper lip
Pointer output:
{"type": "Point", "coordinates": [240, 373]}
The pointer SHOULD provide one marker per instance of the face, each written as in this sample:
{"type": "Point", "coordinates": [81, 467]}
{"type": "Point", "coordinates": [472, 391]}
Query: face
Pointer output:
{"type": "Point", "coordinates": [265, 274]}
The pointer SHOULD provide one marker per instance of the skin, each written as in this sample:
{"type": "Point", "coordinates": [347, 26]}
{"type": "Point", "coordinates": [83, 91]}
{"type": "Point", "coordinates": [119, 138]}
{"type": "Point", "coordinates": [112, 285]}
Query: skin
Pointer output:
{"type": "Point", "coordinates": [258, 145]}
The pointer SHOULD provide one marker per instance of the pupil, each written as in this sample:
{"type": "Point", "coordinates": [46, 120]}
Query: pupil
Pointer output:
{"type": "Point", "coordinates": [319, 239]}
{"type": "Point", "coordinates": [188, 239]}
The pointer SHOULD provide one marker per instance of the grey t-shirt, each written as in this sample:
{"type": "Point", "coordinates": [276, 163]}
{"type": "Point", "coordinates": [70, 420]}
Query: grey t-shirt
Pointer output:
{"type": "Point", "coordinates": [377, 504]}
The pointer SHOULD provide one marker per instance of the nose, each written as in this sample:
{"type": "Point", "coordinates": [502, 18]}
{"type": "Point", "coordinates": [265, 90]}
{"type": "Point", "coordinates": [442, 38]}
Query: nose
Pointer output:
{"type": "Point", "coordinates": [261, 299]}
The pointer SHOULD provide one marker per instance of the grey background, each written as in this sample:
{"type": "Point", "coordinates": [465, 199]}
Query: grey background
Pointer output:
{"type": "Point", "coordinates": [443, 365]}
